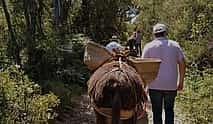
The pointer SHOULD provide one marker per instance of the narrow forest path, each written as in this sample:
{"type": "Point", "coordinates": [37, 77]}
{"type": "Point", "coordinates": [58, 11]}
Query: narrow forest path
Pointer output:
{"type": "Point", "coordinates": [81, 113]}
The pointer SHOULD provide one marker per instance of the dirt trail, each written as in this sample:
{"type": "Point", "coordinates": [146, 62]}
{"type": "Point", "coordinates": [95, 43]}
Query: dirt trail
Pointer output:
{"type": "Point", "coordinates": [81, 113]}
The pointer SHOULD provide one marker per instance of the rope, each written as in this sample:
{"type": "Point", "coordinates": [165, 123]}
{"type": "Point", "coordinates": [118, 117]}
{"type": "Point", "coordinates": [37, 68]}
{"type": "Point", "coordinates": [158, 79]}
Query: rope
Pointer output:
{"type": "Point", "coordinates": [124, 114]}
{"type": "Point", "coordinates": [120, 62]}
{"type": "Point", "coordinates": [141, 115]}
{"type": "Point", "coordinates": [107, 112]}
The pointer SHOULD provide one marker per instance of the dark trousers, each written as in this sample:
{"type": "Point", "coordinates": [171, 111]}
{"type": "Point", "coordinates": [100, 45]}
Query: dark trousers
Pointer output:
{"type": "Point", "coordinates": [158, 97]}
{"type": "Point", "coordinates": [138, 49]}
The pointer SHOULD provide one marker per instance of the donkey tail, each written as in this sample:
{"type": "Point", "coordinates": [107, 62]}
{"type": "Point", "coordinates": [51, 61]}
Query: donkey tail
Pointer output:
{"type": "Point", "coordinates": [116, 106]}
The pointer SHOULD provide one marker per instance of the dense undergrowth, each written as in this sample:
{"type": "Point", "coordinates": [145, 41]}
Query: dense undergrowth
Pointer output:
{"type": "Point", "coordinates": [21, 100]}
{"type": "Point", "coordinates": [195, 101]}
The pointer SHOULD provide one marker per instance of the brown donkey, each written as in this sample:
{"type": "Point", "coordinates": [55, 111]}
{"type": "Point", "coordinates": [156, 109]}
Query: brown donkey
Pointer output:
{"type": "Point", "coordinates": [116, 93]}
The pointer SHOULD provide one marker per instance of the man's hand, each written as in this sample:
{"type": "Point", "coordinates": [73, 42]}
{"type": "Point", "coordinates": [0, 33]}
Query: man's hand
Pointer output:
{"type": "Point", "coordinates": [180, 86]}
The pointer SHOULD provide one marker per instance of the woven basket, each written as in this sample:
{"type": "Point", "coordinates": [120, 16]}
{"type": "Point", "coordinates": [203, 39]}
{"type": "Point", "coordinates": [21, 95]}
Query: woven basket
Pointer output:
{"type": "Point", "coordinates": [95, 55]}
{"type": "Point", "coordinates": [147, 68]}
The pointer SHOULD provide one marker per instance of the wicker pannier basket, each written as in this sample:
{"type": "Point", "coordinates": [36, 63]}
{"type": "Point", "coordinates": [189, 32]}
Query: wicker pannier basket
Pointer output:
{"type": "Point", "coordinates": [147, 68]}
{"type": "Point", "coordinates": [96, 55]}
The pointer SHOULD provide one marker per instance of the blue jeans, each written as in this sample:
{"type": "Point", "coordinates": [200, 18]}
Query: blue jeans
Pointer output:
{"type": "Point", "coordinates": [138, 49]}
{"type": "Point", "coordinates": [158, 97]}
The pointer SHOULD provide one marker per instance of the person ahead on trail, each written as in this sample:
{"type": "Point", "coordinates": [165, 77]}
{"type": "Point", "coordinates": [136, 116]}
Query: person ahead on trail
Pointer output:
{"type": "Point", "coordinates": [131, 41]}
{"type": "Point", "coordinates": [164, 88]}
{"type": "Point", "coordinates": [113, 46]}
{"type": "Point", "coordinates": [131, 44]}
{"type": "Point", "coordinates": [138, 42]}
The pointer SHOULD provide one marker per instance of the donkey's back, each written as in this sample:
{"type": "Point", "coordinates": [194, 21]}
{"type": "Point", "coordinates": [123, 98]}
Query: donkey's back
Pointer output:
{"type": "Point", "coordinates": [116, 91]}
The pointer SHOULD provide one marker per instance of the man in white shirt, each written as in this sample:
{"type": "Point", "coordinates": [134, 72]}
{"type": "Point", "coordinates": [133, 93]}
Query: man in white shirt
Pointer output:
{"type": "Point", "coordinates": [164, 88]}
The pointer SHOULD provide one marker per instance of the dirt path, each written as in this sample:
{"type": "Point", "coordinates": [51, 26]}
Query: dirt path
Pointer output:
{"type": "Point", "coordinates": [81, 113]}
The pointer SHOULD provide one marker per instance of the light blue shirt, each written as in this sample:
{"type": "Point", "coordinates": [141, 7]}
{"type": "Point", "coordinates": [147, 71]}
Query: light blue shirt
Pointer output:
{"type": "Point", "coordinates": [170, 54]}
{"type": "Point", "coordinates": [113, 45]}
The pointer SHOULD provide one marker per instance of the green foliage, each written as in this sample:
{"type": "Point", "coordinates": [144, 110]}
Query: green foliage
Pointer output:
{"type": "Point", "coordinates": [188, 20]}
{"type": "Point", "coordinates": [72, 69]}
{"type": "Point", "coordinates": [65, 92]}
{"type": "Point", "coordinates": [173, 13]}
{"type": "Point", "coordinates": [21, 100]}
{"type": "Point", "coordinates": [41, 26]}
{"type": "Point", "coordinates": [4, 60]}
{"type": "Point", "coordinates": [101, 19]}
{"type": "Point", "coordinates": [196, 99]}
{"type": "Point", "coordinates": [193, 50]}
{"type": "Point", "coordinates": [41, 41]}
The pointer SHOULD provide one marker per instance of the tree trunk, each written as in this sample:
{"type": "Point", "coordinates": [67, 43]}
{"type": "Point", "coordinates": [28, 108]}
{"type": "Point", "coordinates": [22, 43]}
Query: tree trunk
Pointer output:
{"type": "Point", "coordinates": [56, 12]}
{"type": "Point", "coordinates": [13, 48]}
{"type": "Point", "coordinates": [85, 17]}
{"type": "Point", "coordinates": [28, 35]}
{"type": "Point", "coordinates": [40, 12]}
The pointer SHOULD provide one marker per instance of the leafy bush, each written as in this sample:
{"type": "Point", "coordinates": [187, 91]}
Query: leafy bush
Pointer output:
{"type": "Point", "coordinates": [196, 99]}
{"type": "Point", "coordinates": [59, 59]}
{"type": "Point", "coordinates": [71, 68]}
{"type": "Point", "coordinates": [21, 100]}
{"type": "Point", "coordinates": [64, 91]}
